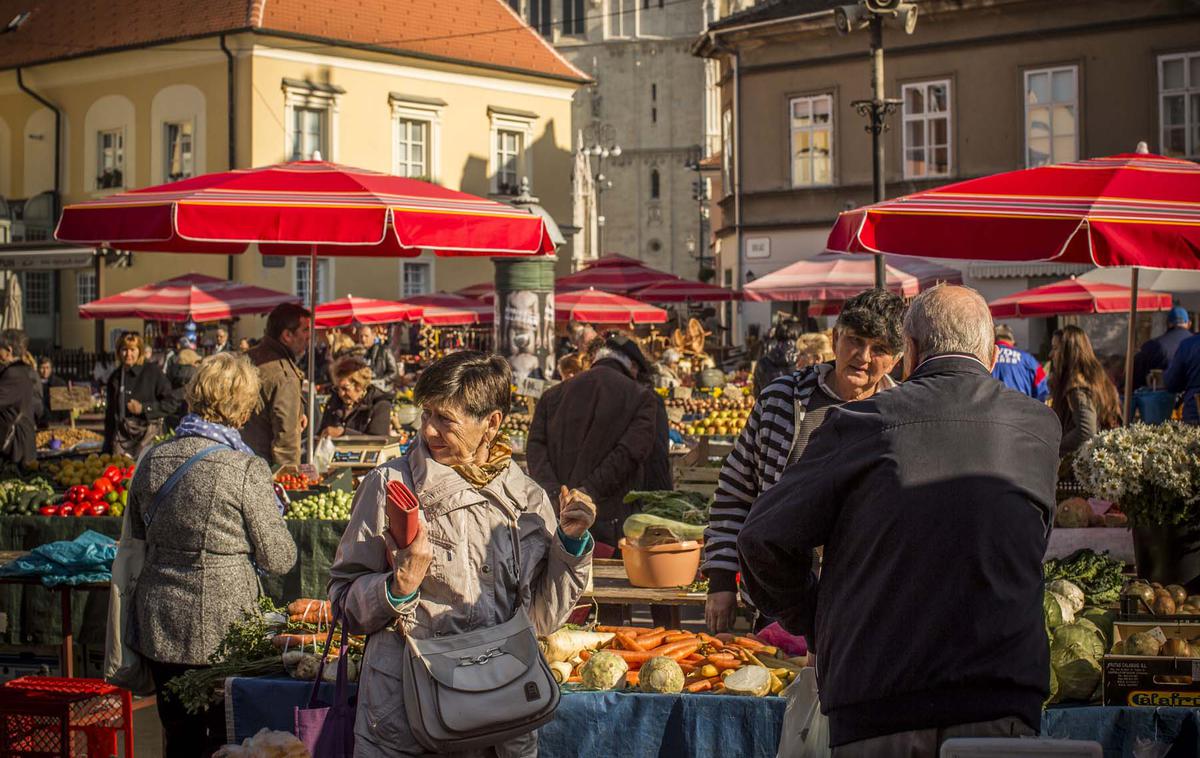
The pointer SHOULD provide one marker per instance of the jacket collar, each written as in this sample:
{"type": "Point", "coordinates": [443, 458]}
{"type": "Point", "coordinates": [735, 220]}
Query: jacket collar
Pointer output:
{"type": "Point", "coordinates": [275, 346]}
{"type": "Point", "coordinates": [950, 363]}
{"type": "Point", "coordinates": [440, 488]}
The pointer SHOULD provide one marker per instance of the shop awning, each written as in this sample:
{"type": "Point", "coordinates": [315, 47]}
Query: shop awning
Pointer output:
{"type": "Point", "coordinates": [45, 256]}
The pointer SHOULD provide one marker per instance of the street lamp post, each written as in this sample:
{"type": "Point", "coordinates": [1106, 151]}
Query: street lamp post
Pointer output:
{"type": "Point", "coordinates": [700, 195]}
{"type": "Point", "coordinates": [870, 14]}
{"type": "Point", "coordinates": [599, 140]}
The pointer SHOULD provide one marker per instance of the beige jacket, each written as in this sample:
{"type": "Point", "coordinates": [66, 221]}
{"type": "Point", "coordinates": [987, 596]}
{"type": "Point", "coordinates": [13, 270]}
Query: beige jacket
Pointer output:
{"type": "Point", "coordinates": [471, 583]}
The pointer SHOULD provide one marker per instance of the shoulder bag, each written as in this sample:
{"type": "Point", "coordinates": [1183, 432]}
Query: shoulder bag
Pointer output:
{"type": "Point", "coordinates": [124, 666]}
{"type": "Point", "coordinates": [327, 730]}
{"type": "Point", "coordinates": [480, 688]}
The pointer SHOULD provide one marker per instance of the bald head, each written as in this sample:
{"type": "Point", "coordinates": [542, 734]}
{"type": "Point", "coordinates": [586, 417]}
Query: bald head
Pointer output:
{"type": "Point", "coordinates": [949, 319]}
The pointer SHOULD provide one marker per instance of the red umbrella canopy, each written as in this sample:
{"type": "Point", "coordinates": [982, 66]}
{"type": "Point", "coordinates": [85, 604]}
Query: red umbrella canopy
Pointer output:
{"type": "Point", "coordinates": [481, 291]}
{"type": "Point", "coordinates": [614, 273]}
{"type": "Point", "coordinates": [447, 309]}
{"type": "Point", "coordinates": [361, 310]}
{"type": "Point", "coordinates": [1076, 297]}
{"type": "Point", "coordinates": [291, 207]}
{"type": "Point", "coordinates": [684, 291]}
{"type": "Point", "coordinates": [596, 307]}
{"type": "Point", "coordinates": [1132, 209]}
{"type": "Point", "coordinates": [839, 277]}
{"type": "Point", "coordinates": [191, 297]}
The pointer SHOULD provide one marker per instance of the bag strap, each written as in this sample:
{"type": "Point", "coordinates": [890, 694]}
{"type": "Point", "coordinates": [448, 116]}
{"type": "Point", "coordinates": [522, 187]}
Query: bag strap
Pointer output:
{"type": "Point", "coordinates": [341, 694]}
{"type": "Point", "coordinates": [172, 480]}
{"type": "Point", "coordinates": [524, 593]}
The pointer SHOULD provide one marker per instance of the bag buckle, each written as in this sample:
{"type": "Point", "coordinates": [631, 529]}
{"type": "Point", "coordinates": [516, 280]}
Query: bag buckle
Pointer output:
{"type": "Point", "coordinates": [481, 659]}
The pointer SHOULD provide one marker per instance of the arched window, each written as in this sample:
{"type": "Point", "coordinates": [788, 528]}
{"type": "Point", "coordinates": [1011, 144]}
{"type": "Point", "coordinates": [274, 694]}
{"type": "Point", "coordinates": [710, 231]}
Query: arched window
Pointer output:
{"type": "Point", "coordinates": [654, 184]}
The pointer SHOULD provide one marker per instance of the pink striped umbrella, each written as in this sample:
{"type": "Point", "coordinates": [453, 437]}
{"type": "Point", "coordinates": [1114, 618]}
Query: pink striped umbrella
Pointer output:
{"type": "Point", "coordinates": [361, 310]}
{"type": "Point", "coordinates": [448, 309]}
{"type": "Point", "coordinates": [1076, 297]}
{"type": "Point", "coordinates": [482, 291]}
{"type": "Point", "coordinates": [684, 291]}
{"type": "Point", "coordinates": [595, 307]}
{"type": "Point", "coordinates": [839, 277]}
{"type": "Point", "coordinates": [614, 273]}
{"type": "Point", "coordinates": [191, 297]}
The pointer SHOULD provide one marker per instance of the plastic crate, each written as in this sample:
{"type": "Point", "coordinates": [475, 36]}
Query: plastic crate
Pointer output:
{"type": "Point", "coordinates": [52, 716]}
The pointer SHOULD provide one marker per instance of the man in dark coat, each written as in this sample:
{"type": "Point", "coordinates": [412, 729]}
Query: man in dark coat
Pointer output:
{"type": "Point", "coordinates": [595, 432]}
{"type": "Point", "coordinates": [934, 498]}
{"type": "Point", "coordinates": [1157, 353]}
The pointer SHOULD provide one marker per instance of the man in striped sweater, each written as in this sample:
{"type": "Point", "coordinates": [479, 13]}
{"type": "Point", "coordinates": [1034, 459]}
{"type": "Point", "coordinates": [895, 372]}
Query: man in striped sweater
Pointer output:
{"type": "Point", "coordinates": [867, 343]}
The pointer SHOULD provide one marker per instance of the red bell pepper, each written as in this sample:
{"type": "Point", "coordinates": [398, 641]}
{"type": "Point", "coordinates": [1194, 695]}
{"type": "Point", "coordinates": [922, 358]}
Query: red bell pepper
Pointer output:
{"type": "Point", "coordinates": [99, 509]}
{"type": "Point", "coordinates": [48, 510]}
{"type": "Point", "coordinates": [102, 486]}
{"type": "Point", "coordinates": [66, 510]}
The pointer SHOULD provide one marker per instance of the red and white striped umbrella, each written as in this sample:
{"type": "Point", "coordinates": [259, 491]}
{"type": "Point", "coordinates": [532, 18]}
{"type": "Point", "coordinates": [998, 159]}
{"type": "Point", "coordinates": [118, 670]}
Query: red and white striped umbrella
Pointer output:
{"type": "Point", "coordinates": [191, 297]}
{"type": "Point", "coordinates": [1076, 297]}
{"type": "Point", "coordinates": [595, 307]}
{"type": "Point", "coordinates": [839, 277]}
{"type": "Point", "coordinates": [361, 310]}
{"type": "Point", "coordinates": [482, 291]}
{"type": "Point", "coordinates": [448, 309]}
{"type": "Point", "coordinates": [685, 291]}
{"type": "Point", "coordinates": [613, 273]}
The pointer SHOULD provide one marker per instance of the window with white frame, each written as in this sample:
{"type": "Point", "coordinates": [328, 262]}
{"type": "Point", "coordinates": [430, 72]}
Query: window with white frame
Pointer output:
{"type": "Point", "coordinates": [324, 279]}
{"type": "Point", "coordinates": [311, 117]}
{"type": "Point", "coordinates": [412, 147]}
{"type": "Point", "coordinates": [110, 159]}
{"type": "Point", "coordinates": [812, 140]}
{"type": "Point", "coordinates": [1051, 115]}
{"type": "Point", "coordinates": [416, 278]}
{"type": "Point", "coordinates": [1179, 104]}
{"type": "Point", "coordinates": [308, 133]}
{"type": "Point", "coordinates": [926, 129]}
{"type": "Point", "coordinates": [509, 146]}
{"type": "Point", "coordinates": [178, 162]}
{"type": "Point", "coordinates": [37, 292]}
{"type": "Point", "coordinates": [85, 287]}
{"type": "Point", "coordinates": [726, 151]}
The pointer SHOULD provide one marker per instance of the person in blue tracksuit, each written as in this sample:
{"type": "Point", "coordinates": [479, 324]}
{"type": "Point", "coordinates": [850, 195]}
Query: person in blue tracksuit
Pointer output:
{"type": "Point", "coordinates": [1017, 368]}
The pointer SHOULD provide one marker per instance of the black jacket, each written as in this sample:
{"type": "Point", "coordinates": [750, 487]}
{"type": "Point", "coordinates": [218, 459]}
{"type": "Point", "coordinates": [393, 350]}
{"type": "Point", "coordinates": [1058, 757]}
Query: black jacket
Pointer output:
{"type": "Point", "coordinates": [594, 432]}
{"type": "Point", "coordinates": [18, 409]}
{"type": "Point", "coordinates": [145, 383]}
{"type": "Point", "coordinates": [779, 359]}
{"type": "Point", "coordinates": [372, 415]}
{"type": "Point", "coordinates": [934, 501]}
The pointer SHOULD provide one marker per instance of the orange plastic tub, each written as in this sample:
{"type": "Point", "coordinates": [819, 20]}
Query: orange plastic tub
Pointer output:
{"type": "Point", "coordinates": [671, 565]}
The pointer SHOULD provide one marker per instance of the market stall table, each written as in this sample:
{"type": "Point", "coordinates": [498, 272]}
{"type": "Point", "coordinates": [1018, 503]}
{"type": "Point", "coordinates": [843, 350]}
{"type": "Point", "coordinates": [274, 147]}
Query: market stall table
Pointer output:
{"type": "Point", "coordinates": [586, 723]}
{"type": "Point", "coordinates": [610, 586]}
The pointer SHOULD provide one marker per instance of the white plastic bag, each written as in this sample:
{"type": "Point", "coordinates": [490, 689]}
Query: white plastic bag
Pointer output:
{"type": "Point", "coordinates": [805, 732]}
{"type": "Point", "coordinates": [323, 455]}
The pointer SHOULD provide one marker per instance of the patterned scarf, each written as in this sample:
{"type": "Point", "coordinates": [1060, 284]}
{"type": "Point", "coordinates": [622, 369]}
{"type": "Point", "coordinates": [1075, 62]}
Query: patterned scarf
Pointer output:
{"type": "Point", "coordinates": [192, 425]}
{"type": "Point", "coordinates": [481, 475]}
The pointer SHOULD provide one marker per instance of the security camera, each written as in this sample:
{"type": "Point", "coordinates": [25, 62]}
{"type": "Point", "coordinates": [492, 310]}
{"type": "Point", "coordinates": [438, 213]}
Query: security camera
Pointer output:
{"type": "Point", "coordinates": [882, 6]}
{"type": "Point", "coordinates": [847, 18]}
{"type": "Point", "coordinates": [908, 16]}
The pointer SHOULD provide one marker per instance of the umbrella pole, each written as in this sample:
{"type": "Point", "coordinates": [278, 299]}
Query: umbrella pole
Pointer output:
{"type": "Point", "coordinates": [1129, 344]}
{"type": "Point", "coordinates": [312, 342]}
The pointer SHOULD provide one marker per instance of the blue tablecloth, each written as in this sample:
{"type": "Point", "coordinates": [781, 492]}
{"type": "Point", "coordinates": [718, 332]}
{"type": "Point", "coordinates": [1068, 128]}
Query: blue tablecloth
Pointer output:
{"type": "Point", "coordinates": [627, 725]}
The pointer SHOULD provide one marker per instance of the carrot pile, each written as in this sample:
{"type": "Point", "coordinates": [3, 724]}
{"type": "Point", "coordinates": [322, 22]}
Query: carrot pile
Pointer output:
{"type": "Point", "coordinates": [705, 659]}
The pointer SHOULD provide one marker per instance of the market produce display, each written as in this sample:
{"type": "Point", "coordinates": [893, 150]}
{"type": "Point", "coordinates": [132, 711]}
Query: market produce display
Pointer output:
{"type": "Point", "coordinates": [65, 438]}
{"type": "Point", "coordinates": [1079, 636]}
{"type": "Point", "coordinates": [516, 424]}
{"type": "Point", "coordinates": [676, 505]}
{"type": "Point", "coordinates": [722, 413]}
{"type": "Point", "coordinates": [71, 473]}
{"type": "Point", "coordinates": [329, 506]}
{"type": "Point", "coordinates": [107, 495]}
{"type": "Point", "coordinates": [20, 497]}
{"type": "Point", "coordinates": [1077, 513]}
{"type": "Point", "coordinates": [1141, 598]}
{"type": "Point", "coordinates": [296, 480]}
{"type": "Point", "coordinates": [1099, 577]}
{"type": "Point", "coordinates": [269, 641]}
{"type": "Point", "coordinates": [663, 660]}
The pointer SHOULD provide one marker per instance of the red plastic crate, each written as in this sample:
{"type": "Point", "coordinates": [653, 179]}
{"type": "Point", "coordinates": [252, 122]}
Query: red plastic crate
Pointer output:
{"type": "Point", "coordinates": [52, 716]}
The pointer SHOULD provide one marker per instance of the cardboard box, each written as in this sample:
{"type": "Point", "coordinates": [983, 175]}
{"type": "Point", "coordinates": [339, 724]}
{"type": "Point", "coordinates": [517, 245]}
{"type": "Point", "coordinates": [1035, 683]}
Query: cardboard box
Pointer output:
{"type": "Point", "coordinates": [1145, 681]}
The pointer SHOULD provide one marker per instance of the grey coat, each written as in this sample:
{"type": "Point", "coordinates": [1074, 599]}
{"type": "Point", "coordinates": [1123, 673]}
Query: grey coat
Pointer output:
{"type": "Point", "coordinates": [198, 576]}
{"type": "Point", "coordinates": [470, 584]}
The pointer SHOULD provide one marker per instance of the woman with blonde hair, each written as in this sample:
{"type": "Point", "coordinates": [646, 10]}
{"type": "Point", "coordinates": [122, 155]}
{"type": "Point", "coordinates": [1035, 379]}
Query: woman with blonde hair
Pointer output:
{"type": "Point", "coordinates": [139, 398]}
{"type": "Point", "coordinates": [206, 507]}
{"type": "Point", "coordinates": [357, 405]}
{"type": "Point", "coordinates": [1082, 395]}
{"type": "Point", "coordinates": [814, 348]}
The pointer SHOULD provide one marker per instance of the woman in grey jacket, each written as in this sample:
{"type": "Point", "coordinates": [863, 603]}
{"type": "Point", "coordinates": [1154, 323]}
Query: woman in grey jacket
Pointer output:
{"type": "Point", "coordinates": [457, 574]}
{"type": "Point", "coordinates": [204, 540]}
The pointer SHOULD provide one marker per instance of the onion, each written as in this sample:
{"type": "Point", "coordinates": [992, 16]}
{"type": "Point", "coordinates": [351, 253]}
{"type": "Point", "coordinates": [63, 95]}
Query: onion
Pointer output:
{"type": "Point", "coordinates": [1178, 594]}
{"type": "Point", "coordinates": [1175, 648]}
{"type": "Point", "coordinates": [1163, 605]}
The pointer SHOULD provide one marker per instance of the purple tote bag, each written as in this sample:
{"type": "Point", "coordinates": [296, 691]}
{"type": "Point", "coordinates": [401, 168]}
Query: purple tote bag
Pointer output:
{"type": "Point", "coordinates": [327, 730]}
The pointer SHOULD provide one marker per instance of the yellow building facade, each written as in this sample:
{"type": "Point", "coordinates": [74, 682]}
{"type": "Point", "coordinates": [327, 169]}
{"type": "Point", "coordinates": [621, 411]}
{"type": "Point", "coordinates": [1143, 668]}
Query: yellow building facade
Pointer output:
{"type": "Point", "coordinates": [140, 117]}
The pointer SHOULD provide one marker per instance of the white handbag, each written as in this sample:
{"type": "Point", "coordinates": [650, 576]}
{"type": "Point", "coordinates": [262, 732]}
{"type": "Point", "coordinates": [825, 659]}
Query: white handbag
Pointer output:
{"type": "Point", "coordinates": [805, 732]}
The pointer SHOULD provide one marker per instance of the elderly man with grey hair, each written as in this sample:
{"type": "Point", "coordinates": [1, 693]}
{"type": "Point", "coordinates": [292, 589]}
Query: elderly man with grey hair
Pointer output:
{"type": "Point", "coordinates": [933, 500]}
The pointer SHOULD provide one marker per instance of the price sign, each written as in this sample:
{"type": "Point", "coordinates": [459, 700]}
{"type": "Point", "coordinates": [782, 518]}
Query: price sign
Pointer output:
{"type": "Point", "coordinates": [71, 399]}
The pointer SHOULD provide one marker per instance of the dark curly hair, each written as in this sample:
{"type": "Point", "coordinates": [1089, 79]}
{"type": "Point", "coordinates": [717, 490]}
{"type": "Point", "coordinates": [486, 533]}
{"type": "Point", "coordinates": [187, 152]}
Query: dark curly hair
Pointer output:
{"type": "Point", "coordinates": [875, 314]}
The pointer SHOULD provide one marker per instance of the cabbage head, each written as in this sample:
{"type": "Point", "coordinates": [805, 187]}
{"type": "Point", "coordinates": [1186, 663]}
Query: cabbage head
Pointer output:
{"type": "Point", "coordinates": [1057, 610]}
{"type": "Point", "coordinates": [604, 671]}
{"type": "Point", "coordinates": [1103, 619]}
{"type": "Point", "coordinates": [1070, 592]}
{"type": "Point", "coordinates": [1075, 655]}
